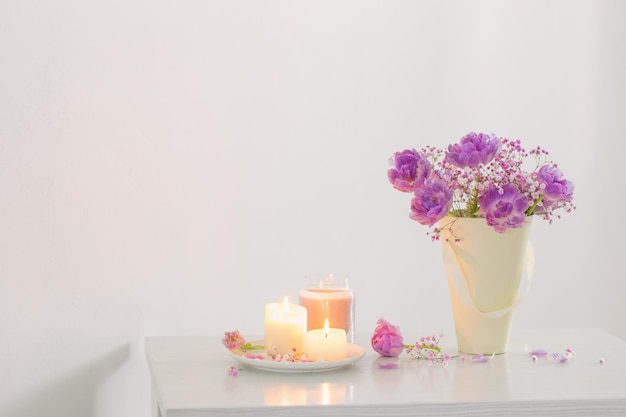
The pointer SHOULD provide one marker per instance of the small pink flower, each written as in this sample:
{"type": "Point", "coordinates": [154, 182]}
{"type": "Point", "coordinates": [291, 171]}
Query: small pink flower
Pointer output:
{"type": "Point", "coordinates": [387, 339]}
{"type": "Point", "coordinates": [232, 371]}
{"type": "Point", "coordinates": [233, 340]}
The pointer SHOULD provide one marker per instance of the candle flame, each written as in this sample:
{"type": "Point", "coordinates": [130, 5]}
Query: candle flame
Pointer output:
{"type": "Point", "coordinates": [286, 305]}
{"type": "Point", "coordinates": [326, 327]}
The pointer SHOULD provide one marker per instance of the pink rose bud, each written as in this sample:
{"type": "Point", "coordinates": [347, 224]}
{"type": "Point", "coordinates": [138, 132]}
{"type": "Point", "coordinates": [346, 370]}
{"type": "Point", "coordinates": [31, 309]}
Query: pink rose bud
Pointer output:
{"type": "Point", "coordinates": [387, 339]}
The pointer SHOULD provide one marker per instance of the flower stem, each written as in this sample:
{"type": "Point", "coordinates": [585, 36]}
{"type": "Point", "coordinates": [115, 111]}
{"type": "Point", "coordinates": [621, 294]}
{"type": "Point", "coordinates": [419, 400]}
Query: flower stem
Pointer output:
{"type": "Point", "coordinates": [531, 210]}
{"type": "Point", "coordinates": [250, 346]}
{"type": "Point", "coordinates": [423, 346]}
{"type": "Point", "coordinates": [472, 204]}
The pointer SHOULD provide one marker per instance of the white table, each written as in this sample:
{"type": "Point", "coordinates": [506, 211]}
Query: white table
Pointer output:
{"type": "Point", "coordinates": [189, 378]}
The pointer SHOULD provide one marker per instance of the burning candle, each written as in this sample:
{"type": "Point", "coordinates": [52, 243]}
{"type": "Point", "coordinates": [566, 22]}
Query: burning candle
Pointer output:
{"type": "Point", "coordinates": [285, 325]}
{"type": "Point", "coordinates": [327, 344]}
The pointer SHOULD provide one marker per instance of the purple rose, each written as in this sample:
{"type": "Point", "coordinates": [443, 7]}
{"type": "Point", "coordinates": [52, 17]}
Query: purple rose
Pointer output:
{"type": "Point", "coordinates": [557, 189]}
{"type": "Point", "coordinates": [504, 208]}
{"type": "Point", "coordinates": [411, 168]}
{"type": "Point", "coordinates": [432, 201]}
{"type": "Point", "coordinates": [474, 150]}
{"type": "Point", "coordinates": [387, 339]}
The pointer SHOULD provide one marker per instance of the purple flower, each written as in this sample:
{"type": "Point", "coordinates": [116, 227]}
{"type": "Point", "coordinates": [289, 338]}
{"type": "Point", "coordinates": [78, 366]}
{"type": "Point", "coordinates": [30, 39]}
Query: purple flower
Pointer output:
{"type": "Point", "coordinates": [387, 339]}
{"type": "Point", "coordinates": [432, 201]}
{"type": "Point", "coordinates": [482, 176]}
{"type": "Point", "coordinates": [474, 150]}
{"type": "Point", "coordinates": [411, 168]}
{"type": "Point", "coordinates": [503, 207]}
{"type": "Point", "coordinates": [557, 189]}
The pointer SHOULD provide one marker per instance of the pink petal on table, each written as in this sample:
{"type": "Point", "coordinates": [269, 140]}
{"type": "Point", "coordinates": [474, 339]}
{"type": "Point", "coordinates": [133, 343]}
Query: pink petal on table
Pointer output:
{"type": "Point", "coordinates": [253, 356]}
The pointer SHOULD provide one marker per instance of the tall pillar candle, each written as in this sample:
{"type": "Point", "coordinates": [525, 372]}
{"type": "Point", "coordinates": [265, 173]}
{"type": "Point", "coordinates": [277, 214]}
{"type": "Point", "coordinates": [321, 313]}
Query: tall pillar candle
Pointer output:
{"type": "Point", "coordinates": [285, 326]}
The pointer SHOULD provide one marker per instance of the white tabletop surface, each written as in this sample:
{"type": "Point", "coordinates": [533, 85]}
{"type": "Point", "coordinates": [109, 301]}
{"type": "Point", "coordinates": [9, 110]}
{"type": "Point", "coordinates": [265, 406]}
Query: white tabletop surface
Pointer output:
{"type": "Point", "coordinates": [190, 378]}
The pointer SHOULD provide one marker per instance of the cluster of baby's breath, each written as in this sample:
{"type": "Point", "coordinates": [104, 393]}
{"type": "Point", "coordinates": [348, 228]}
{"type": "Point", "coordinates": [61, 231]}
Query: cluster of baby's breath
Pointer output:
{"type": "Point", "coordinates": [293, 356]}
{"type": "Point", "coordinates": [427, 348]}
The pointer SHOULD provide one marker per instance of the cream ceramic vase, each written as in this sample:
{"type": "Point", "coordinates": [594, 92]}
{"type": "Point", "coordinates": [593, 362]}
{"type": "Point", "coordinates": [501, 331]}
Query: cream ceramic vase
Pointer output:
{"type": "Point", "coordinates": [484, 270]}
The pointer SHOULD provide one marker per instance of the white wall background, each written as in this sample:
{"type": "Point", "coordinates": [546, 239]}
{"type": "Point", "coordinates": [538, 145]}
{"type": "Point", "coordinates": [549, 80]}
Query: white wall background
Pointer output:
{"type": "Point", "coordinates": [167, 168]}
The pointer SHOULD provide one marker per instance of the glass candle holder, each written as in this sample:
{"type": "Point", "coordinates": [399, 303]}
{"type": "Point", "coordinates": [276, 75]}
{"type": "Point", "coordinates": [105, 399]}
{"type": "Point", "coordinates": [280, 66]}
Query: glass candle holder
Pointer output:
{"type": "Point", "coordinates": [329, 296]}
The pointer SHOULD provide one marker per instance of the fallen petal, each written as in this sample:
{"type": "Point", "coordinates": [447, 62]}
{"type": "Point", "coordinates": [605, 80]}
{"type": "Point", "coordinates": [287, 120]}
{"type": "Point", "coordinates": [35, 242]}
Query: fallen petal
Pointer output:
{"type": "Point", "coordinates": [535, 352]}
{"type": "Point", "coordinates": [253, 356]}
{"type": "Point", "coordinates": [559, 358]}
{"type": "Point", "coordinates": [482, 358]}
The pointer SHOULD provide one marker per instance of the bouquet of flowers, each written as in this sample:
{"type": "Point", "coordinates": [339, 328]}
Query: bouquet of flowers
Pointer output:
{"type": "Point", "coordinates": [481, 176]}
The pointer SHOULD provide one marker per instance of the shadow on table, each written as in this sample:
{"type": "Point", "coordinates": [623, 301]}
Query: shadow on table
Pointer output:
{"type": "Point", "coordinates": [72, 395]}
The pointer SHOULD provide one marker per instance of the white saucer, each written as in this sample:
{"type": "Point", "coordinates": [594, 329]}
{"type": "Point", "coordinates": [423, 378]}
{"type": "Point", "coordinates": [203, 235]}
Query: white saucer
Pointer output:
{"type": "Point", "coordinates": [267, 364]}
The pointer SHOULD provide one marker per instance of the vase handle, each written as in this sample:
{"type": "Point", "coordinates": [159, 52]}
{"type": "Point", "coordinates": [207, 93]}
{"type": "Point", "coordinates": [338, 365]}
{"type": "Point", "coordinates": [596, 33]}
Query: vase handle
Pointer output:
{"type": "Point", "coordinates": [457, 278]}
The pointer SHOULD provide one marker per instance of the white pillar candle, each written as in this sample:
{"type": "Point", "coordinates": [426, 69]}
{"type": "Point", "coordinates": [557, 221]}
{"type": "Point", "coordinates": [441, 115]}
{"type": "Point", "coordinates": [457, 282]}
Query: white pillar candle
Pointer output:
{"type": "Point", "coordinates": [285, 325]}
{"type": "Point", "coordinates": [327, 344]}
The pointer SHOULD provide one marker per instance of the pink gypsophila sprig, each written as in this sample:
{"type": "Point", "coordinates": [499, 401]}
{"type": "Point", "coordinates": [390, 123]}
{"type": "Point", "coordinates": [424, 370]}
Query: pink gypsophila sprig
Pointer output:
{"type": "Point", "coordinates": [427, 348]}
